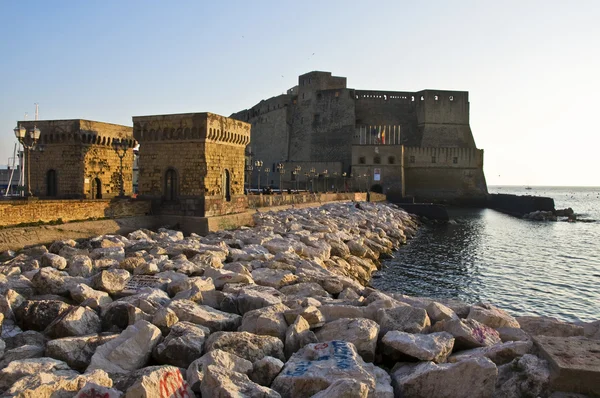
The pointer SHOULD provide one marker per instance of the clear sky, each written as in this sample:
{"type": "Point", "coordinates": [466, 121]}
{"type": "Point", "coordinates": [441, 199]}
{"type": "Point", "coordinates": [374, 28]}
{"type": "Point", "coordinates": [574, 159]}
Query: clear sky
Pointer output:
{"type": "Point", "coordinates": [531, 67]}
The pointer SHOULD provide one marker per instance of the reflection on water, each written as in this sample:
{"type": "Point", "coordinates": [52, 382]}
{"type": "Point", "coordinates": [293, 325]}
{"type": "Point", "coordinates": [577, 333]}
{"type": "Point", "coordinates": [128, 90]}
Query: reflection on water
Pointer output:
{"type": "Point", "coordinates": [525, 267]}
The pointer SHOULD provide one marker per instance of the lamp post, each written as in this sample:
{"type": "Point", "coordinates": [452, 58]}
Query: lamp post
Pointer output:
{"type": "Point", "coordinates": [335, 180]}
{"type": "Point", "coordinates": [297, 174]}
{"type": "Point", "coordinates": [267, 174]}
{"type": "Point", "coordinates": [281, 170]}
{"type": "Point", "coordinates": [258, 164]}
{"type": "Point", "coordinates": [312, 178]}
{"type": "Point", "coordinates": [344, 175]}
{"type": "Point", "coordinates": [249, 169]}
{"type": "Point", "coordinates": [351, 182]}
{"type": "Point", "coordinates": [306, 176]}
{"type": "Point", "coordinates": [29, 141]}
{"type": "Point", "coordinates": [325, 174]}
{"type": "Point", "coordinates": [366, 183]}
{"type": "Point", "coordinates": [121, 146]}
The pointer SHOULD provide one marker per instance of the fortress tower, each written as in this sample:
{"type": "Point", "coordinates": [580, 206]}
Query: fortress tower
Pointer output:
{"type": "Point", "coordinates": [78, 159]}
{"type": "Point", "coordinates": [192, 164]}
{"type": "Point", "coordinates": [383, 136]}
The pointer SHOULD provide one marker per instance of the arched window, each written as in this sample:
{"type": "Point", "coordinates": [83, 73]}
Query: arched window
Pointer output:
{"type": "Point", "coordinates": [227, 185]}
{"type": "Point", "coordinates": [51, 183]}
{"type": "Point", "coordinates": [170, 184]}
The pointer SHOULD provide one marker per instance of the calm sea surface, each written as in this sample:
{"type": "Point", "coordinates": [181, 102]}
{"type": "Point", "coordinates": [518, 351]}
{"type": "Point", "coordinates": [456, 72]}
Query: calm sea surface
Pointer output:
{"type": "Point", "coordinates": [525, 267]}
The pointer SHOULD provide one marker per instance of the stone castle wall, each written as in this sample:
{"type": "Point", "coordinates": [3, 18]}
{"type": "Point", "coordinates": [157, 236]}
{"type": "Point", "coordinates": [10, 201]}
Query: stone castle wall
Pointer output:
{"type": "Point", "coordinates": [16, 212]}
{"type": "Point", "coordinates": [444, 173]}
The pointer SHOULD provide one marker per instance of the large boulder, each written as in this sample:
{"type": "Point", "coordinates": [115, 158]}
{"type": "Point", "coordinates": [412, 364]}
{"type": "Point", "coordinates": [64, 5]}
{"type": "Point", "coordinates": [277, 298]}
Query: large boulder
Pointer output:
{"type": "Point", "coordinates": [159, 381]}
{"type": "Point", "coordinates": [439, 312]}
{"type": "Point", "coordinates": [38, 314]}
{"type": "Point", "coordinates": [472, 378]}
{"type": "Point", "coordinates": [183, 345]}
{"type": "Point", "coordinates": [425, 347]}
{"type": "Point", "coordinates": [527, 376]}
{"type": "Point", "coordinates": [344, 388]}
{"type": "Point", "coordinates": [403, 318]}
{"type": "Point", "coordinates": [77, 352]}
{"type": "Point", "coordinates": [85, 295]}
{"type": "Point", "coordinates": [312, 314]}
{"type": "Point", "coordinates": [361, 332]}
{"type": "Point", "coordinates": [492, 316]}
{"type": "Point", "coordinates": [111, 281]}
{"type": "Point", "coordinates": [468, 333]}
{"type": "Point", "coordinates": [27, 367]}
{"type": "Point", "coordinates": [276, 278]}
{"type": "Point", "coordinates": [51, 281]}
{"type": "Point", "coordinates": [220, 358]}
{"type": "Point", "coordinates": [54, 261]}
{"type": "Point", "coordinates": [57, 384]}
{"type": "Point", "coordinates": [304, 289]}
{"type": "Point", "coordinates": [22, 352]}
{"type": "Point", "coordinates": [297, 336]}
{"type": "Point", "coordinates": [265, 370]}
{"type": "Point", "coordinates": [80, 265]}
{"type": "Point", "coordinates": [76, 321]}
{"type": "Point", "coordinates": [547, 326]}
{"type": "Point", "coordinates": [220, 382]}
{"type": "Point", "coordinates": [214, 320]}
{"type": "Point", "coordinates": [128, 352]}
{"type": "Point", "coordinates": [268, 321]}
{"type": "Point", "coordinates": [315, 367]}
{"type": "Point", "coordinates": [249, 299]}
{"type": "Point", "coordinates": [499, 354]}
{"type": "Point", "coordinates": [246, 345]}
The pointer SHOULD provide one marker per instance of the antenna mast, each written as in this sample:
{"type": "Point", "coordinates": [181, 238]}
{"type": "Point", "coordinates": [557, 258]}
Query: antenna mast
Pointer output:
{"type": "Point", "coordinates": [37, 111]}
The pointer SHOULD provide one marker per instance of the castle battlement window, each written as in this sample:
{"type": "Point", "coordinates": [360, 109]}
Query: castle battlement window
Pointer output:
{"type": "Point", "coordinates": [455, 160]}
{"type": "Point", "coordinates": [391, 160]}
{"type": "Point", "coordinates": [412, 159]}
{"type": "Point", "coordinates": [433, 159]}
{"type": "Point", "coordinates": [362, 160]}
{"type": "Point", "coordinates": [377, 160]}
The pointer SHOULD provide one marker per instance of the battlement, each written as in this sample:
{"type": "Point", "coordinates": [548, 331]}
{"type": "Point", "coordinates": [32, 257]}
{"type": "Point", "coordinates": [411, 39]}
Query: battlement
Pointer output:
{"type": "Point", "coordinates": [200, 127]}
{"type": "Point", "coordinates": [79, 131]}
{"type": "Point", "coordinates": [317, 80]}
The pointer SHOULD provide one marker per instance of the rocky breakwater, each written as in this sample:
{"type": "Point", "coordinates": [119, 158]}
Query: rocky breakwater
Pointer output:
{"type": "Point", "coordinates": [278, 310]}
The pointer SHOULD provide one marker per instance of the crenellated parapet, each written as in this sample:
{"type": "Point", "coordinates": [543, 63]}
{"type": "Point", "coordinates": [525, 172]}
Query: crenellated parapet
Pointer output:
{"type": "Point", "coordinates": [198, 127]}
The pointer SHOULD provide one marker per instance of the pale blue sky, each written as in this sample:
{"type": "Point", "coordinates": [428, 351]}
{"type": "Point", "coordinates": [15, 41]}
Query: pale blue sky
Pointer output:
{"type": "Point", "coordinates": [531, 67]}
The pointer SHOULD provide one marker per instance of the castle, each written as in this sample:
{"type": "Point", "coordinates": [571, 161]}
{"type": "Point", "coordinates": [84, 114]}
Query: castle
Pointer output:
{"type": "Point", "coordinates": [415, 144]}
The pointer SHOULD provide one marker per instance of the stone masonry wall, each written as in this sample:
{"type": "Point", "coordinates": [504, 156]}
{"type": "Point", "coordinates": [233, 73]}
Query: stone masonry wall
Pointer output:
{"type": "Point", "coordinates": [29, 211]}
{"type": "Point", "coordinates": [79, 151]}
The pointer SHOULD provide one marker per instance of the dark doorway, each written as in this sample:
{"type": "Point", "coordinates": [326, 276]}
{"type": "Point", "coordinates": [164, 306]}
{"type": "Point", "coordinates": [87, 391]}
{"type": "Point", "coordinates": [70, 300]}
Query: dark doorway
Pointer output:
{"type": "Point", "coordinates": [227, 186]}
{"type": "Point", "coordinates": [170, 184]}
{"type": "Point", "coordinates": [51, 183]}
{"type": "Point", "coordinates": [97, 189]}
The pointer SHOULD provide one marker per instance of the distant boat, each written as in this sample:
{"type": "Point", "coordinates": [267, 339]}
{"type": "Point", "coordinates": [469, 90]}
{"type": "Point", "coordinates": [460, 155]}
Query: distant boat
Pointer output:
{"type": "Point", "coordinates": [528, 188]}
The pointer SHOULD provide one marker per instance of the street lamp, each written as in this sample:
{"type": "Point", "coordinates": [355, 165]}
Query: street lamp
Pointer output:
{"type": "Point", "coordinates": [325, 174]}
{"type": "Point", "coordinates": [249, 169]}
{"type": "Point", "coordinates": [121, 146]}
{"type": "Point", "coordinates": [29, 141]}
{"type": "Point", "coordinates": [268, 175]}
{"type": "Point", "coordinates": [258, 164]}
{"type": "Point", "coordinates": [312, 178]}
{"type": "Point", "coordinates": [281, 170]}
{"type": "Point", "coordinates": [297, 174]}
{"type": "Point", "coordinates": [306, 176]}
{"type": "Point", "coordinates": [344, 175]}
{"type": "Point", "coordinates": [335, 180]}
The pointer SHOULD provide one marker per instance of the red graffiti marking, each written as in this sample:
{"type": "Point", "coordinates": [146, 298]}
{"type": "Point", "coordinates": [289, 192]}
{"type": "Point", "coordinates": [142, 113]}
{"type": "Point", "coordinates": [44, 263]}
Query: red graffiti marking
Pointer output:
{"type": "Point", "coordinates": [172, 385]}
{"type": "Point", "coordinates": [321, 346]}
{"type": "Point", "coordinates": [93, 393]}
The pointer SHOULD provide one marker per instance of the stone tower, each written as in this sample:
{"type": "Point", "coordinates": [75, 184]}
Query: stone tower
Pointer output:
{"type": "Point", "coordinates": [192, 164]}
{"type": "Point", "coordinates": [78, 159]}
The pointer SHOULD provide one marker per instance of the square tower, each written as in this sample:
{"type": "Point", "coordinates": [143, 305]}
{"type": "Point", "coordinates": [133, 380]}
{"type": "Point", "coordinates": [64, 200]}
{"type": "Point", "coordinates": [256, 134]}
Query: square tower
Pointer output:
{"type": "Point", "coordinates": [192, 164]}
{"type": "Point", "coordinates": [78, 160]}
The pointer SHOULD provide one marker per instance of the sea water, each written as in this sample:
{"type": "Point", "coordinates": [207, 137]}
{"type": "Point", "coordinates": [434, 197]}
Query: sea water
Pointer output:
{"type": "Point", "coordinates": [526, 267]}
